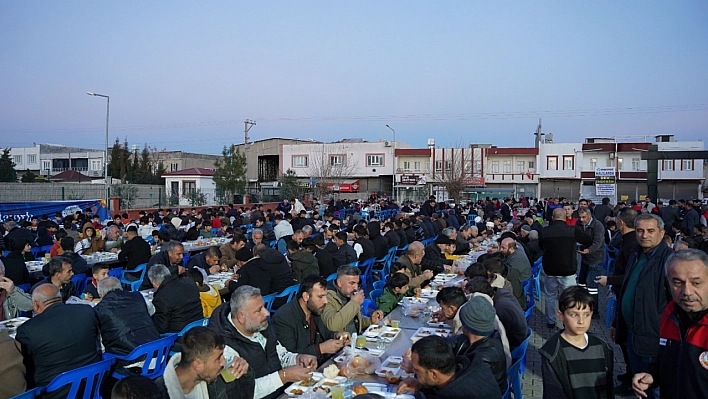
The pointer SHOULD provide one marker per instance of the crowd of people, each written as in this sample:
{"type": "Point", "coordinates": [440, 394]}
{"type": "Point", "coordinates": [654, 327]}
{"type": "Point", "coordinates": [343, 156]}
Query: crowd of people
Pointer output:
{"type": "Point", "coordinates": [659, 279]}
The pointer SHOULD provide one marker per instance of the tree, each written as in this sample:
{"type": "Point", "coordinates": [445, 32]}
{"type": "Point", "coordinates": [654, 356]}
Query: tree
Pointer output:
{"type": "Point", "coordinates": [230, 174]}
{"type": "Point", "coordinates": [7, 167]}
{"type": "Point", "coordinates": [119, 165]}
{"type": "Point", "coordinates": [453, 170]}
{"type": "Point", "coordinates": [289, 187]}
{"type": "Point", "coordinates": [330, 167]}
{"type": "Point", "coordinates": [28, 177]}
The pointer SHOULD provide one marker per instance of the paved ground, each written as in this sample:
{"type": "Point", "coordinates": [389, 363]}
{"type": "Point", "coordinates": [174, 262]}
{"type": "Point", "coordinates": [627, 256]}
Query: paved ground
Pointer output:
{"type": "Point", "coordinates": [532, 386]}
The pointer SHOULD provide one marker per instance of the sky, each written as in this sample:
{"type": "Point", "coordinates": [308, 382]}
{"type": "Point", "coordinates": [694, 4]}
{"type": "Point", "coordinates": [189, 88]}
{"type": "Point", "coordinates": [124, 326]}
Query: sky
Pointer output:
{"type": "Point", "coordinates": [185, 75]}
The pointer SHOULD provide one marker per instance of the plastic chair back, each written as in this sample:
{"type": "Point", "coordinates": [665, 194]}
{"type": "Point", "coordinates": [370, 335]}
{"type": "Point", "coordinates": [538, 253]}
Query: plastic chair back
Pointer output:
{"type": "Point", "coordinates": [116, 272]}
{"type": "Point", "coordinates": [611, 310]}
{"type": "Point", "coordinates": [332, 277]}
{"type": "Point", "coordinates": [530, 300]}
{"type": "Point", "coordinates": [379, 285]}
{"type": "Point", "coordinates": [273, 244]}
{"type": "Point", "coordinates": [513, 375]}
{"type": "Point", "coordinates": [79, 282]}
{"type": "Point", "coordinates": [269, 299]}
{"type": "Point", "coordinates": [155, 354]}
{"type": "Point", "coordinates": [199, 323]}
{"type": "Point", "coordinates": [368, 307]}
{"type": "Point", "coordinates": [289, 292]}
{"type": "Point", "coordinates": [185, 258]}
{"type": "Point", "coordinates": [520, 352]}
{"type": "Point", "coordinates": [134, 285]}
{"type": "Point", "coordinates": [24, 287]}
{"type": "Point", "coordinates": [366, 277]}
{"type": "Point", "coordinates": [375, 295]}
{"type": "Point", "coordinates": [91, 375]}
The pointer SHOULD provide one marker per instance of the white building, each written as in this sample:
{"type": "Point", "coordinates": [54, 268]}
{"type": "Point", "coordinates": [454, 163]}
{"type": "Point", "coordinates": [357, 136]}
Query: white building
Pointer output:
{"type": "Point", "coordinates": [513, 169]}
{"type": "Point", "coordinates": [559, 166]}
{"type": "Point", "coordinates": [358, 165]}
{"type": "Point", "coordinates": [183, 186]}
{"type": "Point", "coordinates": [50, 159]}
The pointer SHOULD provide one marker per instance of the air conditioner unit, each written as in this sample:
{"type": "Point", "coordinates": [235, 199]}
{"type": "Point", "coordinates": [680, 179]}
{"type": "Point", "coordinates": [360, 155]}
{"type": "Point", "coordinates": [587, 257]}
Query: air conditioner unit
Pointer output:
{"type": "Point", "coordinates": [387, 144]}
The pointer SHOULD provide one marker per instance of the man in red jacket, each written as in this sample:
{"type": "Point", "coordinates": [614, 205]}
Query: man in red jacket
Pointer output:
{"type": "Point", "coordinates": [682, 365]}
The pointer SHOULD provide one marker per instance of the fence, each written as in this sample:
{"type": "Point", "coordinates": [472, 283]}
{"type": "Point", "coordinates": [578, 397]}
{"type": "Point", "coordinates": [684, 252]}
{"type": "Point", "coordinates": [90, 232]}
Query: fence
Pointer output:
{"type": "Point", "coordinates": [131, 195]}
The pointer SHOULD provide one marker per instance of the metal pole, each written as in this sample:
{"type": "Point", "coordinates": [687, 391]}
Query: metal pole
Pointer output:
{"type": "Point", "coordinates": [105, 154]}
{"type": "Point", "coordinates": [393, 169]}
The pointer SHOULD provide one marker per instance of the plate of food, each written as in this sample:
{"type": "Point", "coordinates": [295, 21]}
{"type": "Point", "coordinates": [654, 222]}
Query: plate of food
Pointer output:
{"type": "Point", "coordinates": [389, 333]}
{"type": "Point", "coordinates": [415, 300]}
{"type": "Point", "coordinates": [391, 365]}
{"type": "Point", "coordinates": [436, 322]}
{"type": "Point", "coordinates": [429, 293]}
{"type": "Point", "coordinates": [296, 390]}
{"type": "Point", "coordinates": [373, 331]}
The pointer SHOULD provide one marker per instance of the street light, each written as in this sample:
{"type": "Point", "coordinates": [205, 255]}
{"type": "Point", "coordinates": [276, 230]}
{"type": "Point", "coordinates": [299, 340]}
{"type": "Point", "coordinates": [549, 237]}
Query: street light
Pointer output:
{"type": "Point", "coordinates": [105, 154]}
{"type": "Point", "coordinates": [393, 174]}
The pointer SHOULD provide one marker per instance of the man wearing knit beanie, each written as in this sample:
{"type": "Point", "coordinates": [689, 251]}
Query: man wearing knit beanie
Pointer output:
{"type": "Point", "coordinates": [479, 340]}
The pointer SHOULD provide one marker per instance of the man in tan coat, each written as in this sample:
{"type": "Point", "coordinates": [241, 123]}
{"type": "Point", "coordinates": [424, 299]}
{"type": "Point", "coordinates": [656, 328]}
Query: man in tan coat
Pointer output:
{"type": "Point", "coordinates": [228, 251]}
{"type": "Point", "coordinates": [343, 310]}
{"type": "Point", "coordinates": [12, 370]}
{"type": "Point", "coordinates": [411, 261]}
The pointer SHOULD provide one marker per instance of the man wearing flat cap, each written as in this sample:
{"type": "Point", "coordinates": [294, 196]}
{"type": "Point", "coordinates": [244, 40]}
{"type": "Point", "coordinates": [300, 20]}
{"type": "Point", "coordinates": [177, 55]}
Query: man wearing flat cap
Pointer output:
{"type": "Point", "coordinates": [434, 258]}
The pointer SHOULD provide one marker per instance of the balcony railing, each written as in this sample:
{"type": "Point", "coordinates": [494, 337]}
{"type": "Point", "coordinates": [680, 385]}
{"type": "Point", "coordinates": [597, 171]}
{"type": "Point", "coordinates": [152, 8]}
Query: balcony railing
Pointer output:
{"type": "Point", "coordinates": [413, 171]}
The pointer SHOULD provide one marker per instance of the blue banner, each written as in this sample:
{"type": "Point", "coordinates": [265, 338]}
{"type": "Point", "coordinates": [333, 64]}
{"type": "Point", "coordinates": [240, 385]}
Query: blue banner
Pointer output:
{"type": "Point", "coordinates": [25, 210]}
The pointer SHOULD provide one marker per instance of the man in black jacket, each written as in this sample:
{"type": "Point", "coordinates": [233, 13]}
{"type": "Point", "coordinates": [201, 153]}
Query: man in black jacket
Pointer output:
{"type": "Point", "coordinates": [300, 328]}
{"type": "Point", "coordinates": [363, 247]}
{"type": "Point", "coordinates": [176, 300]}
{"type": "Point", "coordinates": [559, 259]}
{"type": "Point", "coordinates": [645, 293]}
{"type": "Point", "coordinates": [123, 318]}
{"type": "Point", "coordinates": [327, 263]}
{"type": "Point", "coordinates": [59, 274]}
{"type": "Point", "coordinates": [243, 322]}
{"type": "Point", "coordinates": [171, 255]}
{"type": "Point", "coordinates": [439, 374]}
{"type": "Point", "coordinates": [603, 211]}
{"type": "Point", "coordinates": [434, 258]}
{"type": "Point", "coordinates": [135, 251]}
{"type": "Point", "coordinates": [60, 338]}
{"type": "Point", "coordinates": [479, 340]}
{"type": "Point", "coordinates": [208, 261]}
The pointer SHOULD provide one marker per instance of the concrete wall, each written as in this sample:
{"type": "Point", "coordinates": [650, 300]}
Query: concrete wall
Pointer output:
{"type": "Point", "coordinates": [136, 196]}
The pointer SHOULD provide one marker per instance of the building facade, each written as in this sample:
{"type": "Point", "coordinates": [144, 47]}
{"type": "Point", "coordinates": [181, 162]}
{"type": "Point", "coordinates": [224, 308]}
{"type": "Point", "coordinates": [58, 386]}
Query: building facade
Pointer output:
{"type": "Point", "coordinates": [50, 159]}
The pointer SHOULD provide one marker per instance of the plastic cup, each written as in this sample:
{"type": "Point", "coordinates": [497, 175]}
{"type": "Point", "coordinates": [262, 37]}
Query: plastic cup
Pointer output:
{"type": "Point", "coordinates": [227, 375]}
{"type": "Point", "coordinates": [361, 341]}
{"type": "Point", "coordinates": [395, 323]}
{"type": "Point", "coordinates": [337, 392]}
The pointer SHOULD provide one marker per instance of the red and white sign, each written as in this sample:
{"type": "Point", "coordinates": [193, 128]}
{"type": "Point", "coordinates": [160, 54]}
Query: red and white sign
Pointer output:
{"type": "Point", "coordinates": [347, 186]}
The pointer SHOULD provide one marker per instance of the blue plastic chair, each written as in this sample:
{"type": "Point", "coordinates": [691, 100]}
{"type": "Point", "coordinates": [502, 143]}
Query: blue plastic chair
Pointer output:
{"type": "Point", "coordinates": [91, 375]}
{"type": "Point", "coordinates": [520, 352]}
{"type": "Point", "coordinates": [536, 273]}
{"type": "Point", "coordinates": [268, 300]}
{"type": "Point", "coordinates": [611, 310]}
{"type": "Point", "coordinates": [375, 295]}
{"type": "Point", "coordinates": [368, 307]}
{"type": "Point", "coordinates": [185, 258]}
{"type": "Point", "coordinates": [36, 251]}
{"type": "Point", "coordinates": [116, 272]}
{"type": "Point", "coordinates": [513, 375]}
{"type": "Point", "coordinates": [79, 282]}
{"type": "Point", "coordinates": [289, 292]}
{"type": "Point", "coordinates": [24, 287]}
{"type": "Point", "coordinates": [157, 350]}
{"type": "Point", "coordinates": [273, 244]}
{"type": "Point", "coordinates": [134, 285]}
{"type": "Point", "coordinates": [379, 285]}
{"type": "Point", "coordinates": [332, 277]}
{"type": "Point", "coordinates": [530, 300]}
{"type": "Point", "coordinates": [367, 267]}
{"type": "Point", "coordinates": [199, 323]}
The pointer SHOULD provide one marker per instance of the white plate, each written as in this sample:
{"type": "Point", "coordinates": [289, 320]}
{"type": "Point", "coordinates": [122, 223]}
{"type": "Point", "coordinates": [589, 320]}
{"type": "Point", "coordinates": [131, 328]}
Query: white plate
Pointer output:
{"type": "Point", "coordinates": [375, 387]}
{"type": "Point", "coordinates": [292, 388]}
{"type": "Point", "coordinates": [411, 299]}
{"type": "Point", "coordinates": [392, 364]}
{"type": "Point", "coordinates": [387, 331]}
{"type": "Point", "coordinates": [373, 331]}
{"type": "Point", "coordinates": [432, 294]}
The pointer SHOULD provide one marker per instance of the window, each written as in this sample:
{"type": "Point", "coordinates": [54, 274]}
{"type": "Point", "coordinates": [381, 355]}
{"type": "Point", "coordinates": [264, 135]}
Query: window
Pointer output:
{"type": "Point", "coordinates": [448, 166]}
{"type": "Point", "coordinates": [568, 162]}
{"type": "Point", "coordinates": [406, 165]}
{"type": "Point", "coordinates": [619, 163]}
{"type": "Point", "coordinates": [438, 166]}
{"type": "Point", "coordinates": [593, 164]}
{"type": "Point", "coordinates": [174, 167]}
{"type": "Point", "coordinates": [635, 163]}
{"type": "Point", "coordinates": [687, 164]}
{"type": "Point", "coordinates": [17, 159]}
{"type": "Point", "coordinates": [427, 166]}
{"type": "Point", "coordinates": [495, 166]}
{"type": "Point", "coordinates": [477, 167]}
{"type": "Point", "coordinates": [507, 166]}
{"type": "Point", "coordinates": [31, 159]}
{"type": "Point", "coordinates": [46, 165]}
{"type": "Point", "coordinates": [95, 164]}
{"type": "Point", "coordinates": [531, 165]}
{"type": "Point", "coordinates": [374, 160]}
{"type": "Point", "coordinates": [336, 160]}
{"type": "Point", "coordinates": [610, 163]}
{"type": "Point", "coordinates": [416, 166]}
{"type": "Point", "coordinates": [552, 162]}
{"type": "Point", "coordinates": [188, 187]}
{"type": "Point", "coordinates": [520, 166]}
{"type": "Point", "coordinates": [668, 164]}
{"type": "Point", "coordinates": [300, 161]}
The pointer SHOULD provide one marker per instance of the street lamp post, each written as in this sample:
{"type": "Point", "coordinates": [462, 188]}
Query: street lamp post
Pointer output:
{"type": "Point", "coordinates": [105, 154]}
{"type": "Point", "coordinates": [393, 174]}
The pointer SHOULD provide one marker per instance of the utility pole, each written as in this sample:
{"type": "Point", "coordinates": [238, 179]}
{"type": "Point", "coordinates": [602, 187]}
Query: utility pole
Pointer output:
{"type": "Point", "coordinates": [247, 125]}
